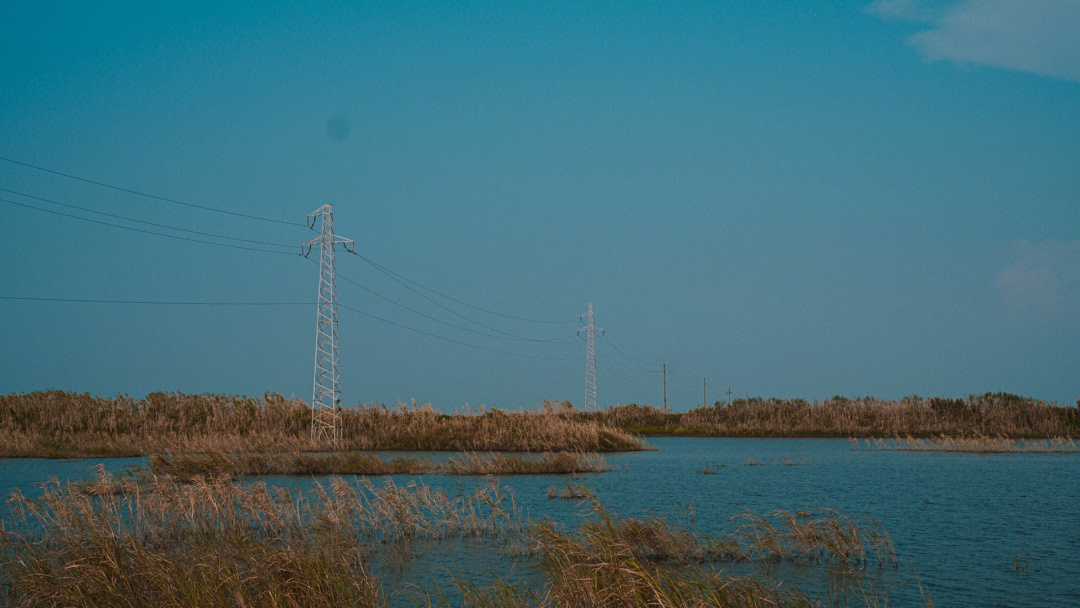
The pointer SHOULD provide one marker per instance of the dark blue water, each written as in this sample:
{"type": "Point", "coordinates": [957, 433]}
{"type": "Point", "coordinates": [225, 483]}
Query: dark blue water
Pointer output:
{"type": "Point", "coordinates": [980, 529]}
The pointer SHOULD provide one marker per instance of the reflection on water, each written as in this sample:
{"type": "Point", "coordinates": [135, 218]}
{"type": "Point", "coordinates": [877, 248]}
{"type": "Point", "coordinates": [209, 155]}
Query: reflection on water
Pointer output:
{"type": "Point", "coordinates": [981, 529]}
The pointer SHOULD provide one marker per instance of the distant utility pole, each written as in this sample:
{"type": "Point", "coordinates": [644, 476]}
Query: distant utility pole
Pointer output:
{"type": "Point", "coordinates": [729, 395]}
{"type": "Point", "coordinates": [702, 392]}
{"type": "Point", "coordinates": [590, 330]}
{"type": "Point", "coordinates": [326, 387]}
{"type": "Point", "coordinates": [664, 368]}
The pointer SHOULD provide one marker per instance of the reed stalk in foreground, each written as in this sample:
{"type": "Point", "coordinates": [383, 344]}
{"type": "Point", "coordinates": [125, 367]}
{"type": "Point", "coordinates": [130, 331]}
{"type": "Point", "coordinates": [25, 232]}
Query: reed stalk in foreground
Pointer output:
{"type": "Point", "coordinates": [187, 466]}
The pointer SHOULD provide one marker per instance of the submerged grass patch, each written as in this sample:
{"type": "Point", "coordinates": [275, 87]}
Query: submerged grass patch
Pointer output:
{"type": "Point", "coordinates": [216, 464]}
{"type": "Point", "coordinates": [568, 492]}
{"type": "Point", "coordinates": [155, 542]}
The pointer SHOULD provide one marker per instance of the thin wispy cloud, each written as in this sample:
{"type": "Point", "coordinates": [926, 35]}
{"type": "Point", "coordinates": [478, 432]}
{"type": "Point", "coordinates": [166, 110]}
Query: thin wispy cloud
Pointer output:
{"type": "Point", "coordinates": [1041, 277]}
{"type": "Point", "coordinates": [1037, 36]}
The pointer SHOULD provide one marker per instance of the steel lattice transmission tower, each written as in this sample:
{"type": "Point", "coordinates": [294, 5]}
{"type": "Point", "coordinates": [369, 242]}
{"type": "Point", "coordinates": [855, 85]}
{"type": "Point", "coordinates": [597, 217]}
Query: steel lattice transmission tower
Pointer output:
{"type": "Point", "coordinates": [590, 330]}
{"type": "Point", "coordinates": [326, 389]}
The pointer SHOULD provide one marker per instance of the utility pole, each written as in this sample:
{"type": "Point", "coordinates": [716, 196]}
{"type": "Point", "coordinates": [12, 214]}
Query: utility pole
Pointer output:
{"type": "Point", "coordinates": [664, 368]}
{"type": "Point", "coordinates": [702, 392]}
{"type": "Point", "coordinates": [326, 386]}
{"type": "Point", "coordinates": [590, 330]}
{"type": "Point", "coordinates": [729, 395]}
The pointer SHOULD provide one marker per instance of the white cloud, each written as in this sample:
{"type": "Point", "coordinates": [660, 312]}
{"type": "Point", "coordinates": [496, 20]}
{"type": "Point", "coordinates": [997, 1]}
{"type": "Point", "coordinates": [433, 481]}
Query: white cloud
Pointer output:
{"type": "Point", "coordinates": [1037, 36]}
{"type": "Point", "coordinates": [1040, 277]}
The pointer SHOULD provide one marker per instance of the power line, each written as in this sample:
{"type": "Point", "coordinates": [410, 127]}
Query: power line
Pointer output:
{"type": "Point", "coordinates": [171, 236]}
{"type": "Point", "coordinates": [381, 268]}
{"type": "Point", "coordinates": [345, 278]}
{"type": "Point", "coordinates": [152, 302]}
{"type": "Point", "coordinates": [628, 366]}
{"type": "Point", "coordinates": [420, 331]}
{"type": "Point", "coordinates": [393, 274]}
{"type": "Point", "coordinates": [156, 225]}
{"type": "Point", "coordinates": [402, 281]}
{"type": "Point", "coordinates": [680, 378]}
{"type": "Point", "coordinates": [618, 375]}
{"type": "Point", "coordinates": [372, 292]}
{"type": "Point", "coordinates": [627, 355]}
{"type": "Point", "coordinates": [675, 378]}
{"type": "Point", "coordinates": [151, 196]}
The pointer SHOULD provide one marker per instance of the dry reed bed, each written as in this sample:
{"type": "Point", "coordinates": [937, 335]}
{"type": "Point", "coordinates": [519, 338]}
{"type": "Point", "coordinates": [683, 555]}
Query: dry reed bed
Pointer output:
{"type": "Point", "coordinates": [990, 414]}
{"type": "Point", "coordinates": [62, 424]}
{"type": "Point", "coordinates": [215, 464]}
{"type": "Point", "coordinates": [983, 445]}
{"type": "Point", "coordinates": [153, 542]}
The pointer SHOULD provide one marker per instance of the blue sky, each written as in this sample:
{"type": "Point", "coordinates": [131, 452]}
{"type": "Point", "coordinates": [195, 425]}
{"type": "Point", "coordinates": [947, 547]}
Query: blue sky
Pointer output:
{"type": "Point", "coordinates": [791, 199]}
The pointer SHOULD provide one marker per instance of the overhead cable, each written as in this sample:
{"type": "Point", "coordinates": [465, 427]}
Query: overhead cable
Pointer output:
{"type": "Point", "coordinates": [391, 273]}
{"type": "Point", "coordinates": [372, 292]}
{"type": "Point", "coordinates": [401, 281]}
{"type": "Point", "coordinates": [627, 355]}
{"type": "Point", "coordinates": [151, 196]}
{"type": "Point", "coordinates": [628, 366]}
{"type": "Point", "coordinates": [145, 223]}
{"type": "Point", "coordinates": [171, 236]}
{"type": "Point", "coordinates": [618, 375]}
{"type": "Point", "coordinates": [477, 346]}
{"type": "Point", "coordinates": [153, 302]}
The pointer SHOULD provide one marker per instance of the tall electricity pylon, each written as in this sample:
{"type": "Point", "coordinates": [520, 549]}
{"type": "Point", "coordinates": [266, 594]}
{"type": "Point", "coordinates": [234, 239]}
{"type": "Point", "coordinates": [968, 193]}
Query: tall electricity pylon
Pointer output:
{"type": "Point", "coordinates": [590, 358]}
{"type": "Point", "coordinates": [326, 389]}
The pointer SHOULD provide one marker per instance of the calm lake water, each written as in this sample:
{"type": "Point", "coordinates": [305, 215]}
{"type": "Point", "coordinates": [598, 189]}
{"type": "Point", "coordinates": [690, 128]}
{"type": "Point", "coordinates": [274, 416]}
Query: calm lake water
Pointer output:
{"type": "Point", "coordinates": [979, 529]}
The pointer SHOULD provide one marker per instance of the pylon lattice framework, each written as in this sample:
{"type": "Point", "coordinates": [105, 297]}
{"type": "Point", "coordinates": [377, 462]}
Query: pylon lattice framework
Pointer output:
{"type": "Point", "coordinates": [326, 386]}
{"type": "Point", "coordinates": [590, 330]}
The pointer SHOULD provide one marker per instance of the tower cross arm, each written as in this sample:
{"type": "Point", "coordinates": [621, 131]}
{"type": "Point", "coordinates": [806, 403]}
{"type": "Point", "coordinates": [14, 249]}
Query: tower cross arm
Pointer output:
{"type": "Point", "coordinates": [333, 239]}
{"type": "Point", "coordinates": [350, 245]}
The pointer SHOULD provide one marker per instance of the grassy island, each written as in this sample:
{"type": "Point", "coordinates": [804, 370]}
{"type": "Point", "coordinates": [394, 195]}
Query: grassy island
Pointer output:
{"type": "Point", "coordinates": [56, 424]}
{"type": "Point", "coordinates": [68, 425]}
{"type": "Point", "coordinates": [987, 415]}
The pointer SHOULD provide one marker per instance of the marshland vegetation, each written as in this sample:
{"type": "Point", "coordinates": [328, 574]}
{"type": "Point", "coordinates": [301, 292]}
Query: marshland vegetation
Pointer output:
{"type": "Point", "coordinates": [157, 542]}
{"type": "Point", "coordinates": [979, 444]}
{"type": "Point", "coordinates": [62, 424]}
{"type": "Point", "coordinates": [989, 414]}
{"type": "Point", "coordinates": [217, 464]}
{"type": "Point", "coordinates": [65, 425]}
